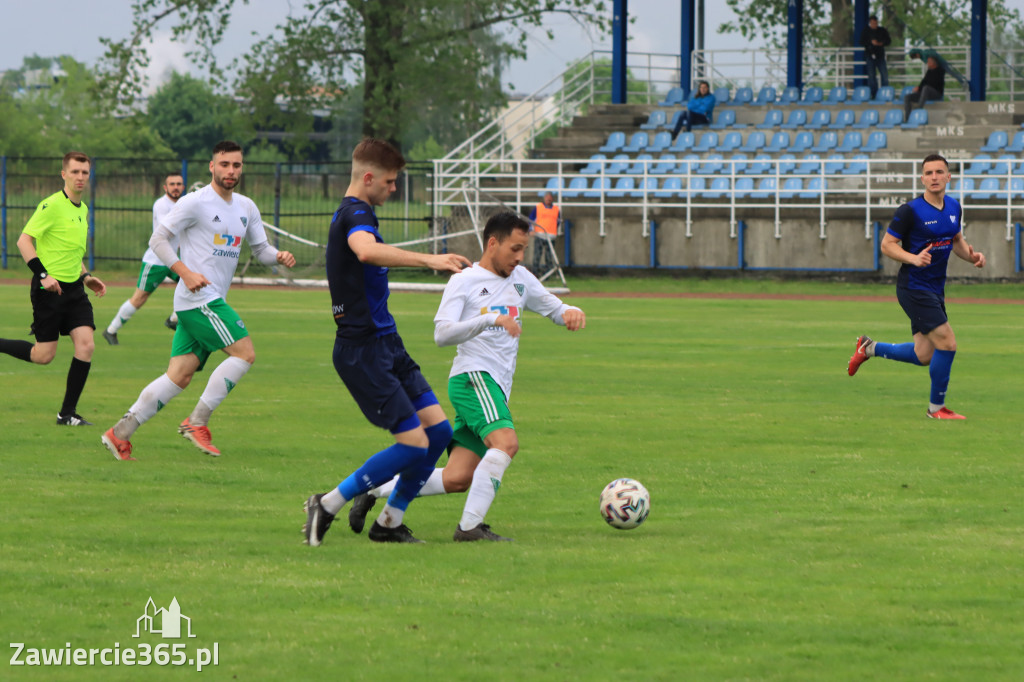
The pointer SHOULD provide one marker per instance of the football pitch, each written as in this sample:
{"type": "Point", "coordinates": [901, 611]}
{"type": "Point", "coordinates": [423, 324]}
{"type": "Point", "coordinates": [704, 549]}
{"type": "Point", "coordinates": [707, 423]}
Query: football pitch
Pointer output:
{"type": "Point", "coordinates": [805, 525]}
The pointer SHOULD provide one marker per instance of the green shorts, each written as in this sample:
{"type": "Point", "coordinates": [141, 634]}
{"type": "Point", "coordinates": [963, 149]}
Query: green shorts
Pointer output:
{"type": "Point", "coordinates": [480, 408]}
{"type": "Point", "coordinates": [151, 276]}
{"type": "Point", "coordinates": [206, 329]}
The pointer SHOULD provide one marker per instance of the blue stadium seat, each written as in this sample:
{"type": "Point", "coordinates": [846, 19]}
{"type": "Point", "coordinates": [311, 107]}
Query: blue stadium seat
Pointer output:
{"type": "Point", "coordinates": [761, 165]}
{"type": "Point", "coordinates": [1017, 145]}
{"type": "Point", "coordinates": [844, 118]}
{"type": "Point", "coordinates": [688, 164]}
{"type": "Point", "coordinates": [803, 141]}
{"type": "Point", "coordinates": [618, 164]}
{"type": "Point", "coordinates": [671, 125]}
{"type": "Point", "coordinates": [600, 185]}
{"type": "Point", "coordinates": [786, 164]}
{"type": "Point", "coordinates": [683, 143]}
{"type": "Point", "coordinates": [815, 188]}
{"type": "Point", "coordinates": [695, 186]}
{"type": "Point", "coordinates": [893, 118]}
{"type": "Point", "coordinates": [666, 164]}
{"type": "Point", "coordinates": [1001, 166]}
{"type": "Point", "coordinates": [828, 141]}
{"type": "Point", "coordinates": [834, 164]}
{"type": "Point", "coordinates": [639, 165]}
{"type": "Point", "coordinates": [712, 164]}
{"type": "Point", "coordinates": [812, 96]}
{"type": "Point", "coordinates": [737, 163]}
{"type": "Point", "coordinates": [723, 119]}
{"type": "Point", "coordinates": [960, 188]}
{"type": "Point", "coordinates": [554, 185]}
{"type": "Point", "coordinates": [765, 95]}
{"type": "Point", "coordinates": [810, 165]}
{"type": "Point", "coordinates": [719, 188]}
{"type": "Point", "coordinates": [647, 187]}
{"type": "Point", "coordinates": [836, 95]}
{"type": "Point", "coordinates": [660, 142]}
{"type": "Point", "coordinates": [820, 119]}
{"type": "Point", "coordinates": [876, 141]}
{"type": "Point", "coordinates": [708, 141]}
{"type": "Point", "coordinates": [765, 188]}
{"type": "Point", "coordinates": [861, 94]}
{"type": "Point", "coordinates": [885, 94]}
{"type": "Point", "coordinates": [731, 142]}
{"type": "Point", "coordinates": [616, 141]}
{"type": "Point", "coordinates": [790, 95]}
{"type": "Point", "coordinates": [918, 118]}
{"type": "Point", "coordinates": [755, 142]}
{"type": "Point", "coordinates": [790, 187]}
{"type": "Point", "coordinates": [907, 90]}
{"type": "Point", "coordinates": [671, 187]}
{"type": "Point", "coordinates": [743, 96]}
{"type": "Point", "coordinates": [1018, 169]}
{"type": "Point", "coordinates": [742, 187]}
{"type": "Point", "coordinates": [637, 142]}
{"type": "Point", "coordinates": [987, 189]}
{"type": "Point", "coordinates": [1016, 188]}
{"type": "Point", "coordinates": [996, 141]}
{"type": "Point", "coordinates": [595, 166]}
{"type": "Point", "coordinates": [797, 118]}
{"type": "Point", "coordinates": [675, 97]}
{"type": "Point", "coordinates": [772, 118]}
{"type": "Point", "coordinates": [780, 141]}
{"type": "Point", "coordinates": [858, 165]}
{"type": "Point", "coordinates": [979, 165]}
{"type": "Point", "coordinates": [852, 141]}
{"type": "Point", "coordinates": [575, 188]}
{"type": "Point", "coordinates": [868, 119]}
{"type": "Point", "coordinates": [622, 185]}
{"type": "Point", "coordinates": [656, 119]}
{"type": "Point", "coordinates": [721, 96]}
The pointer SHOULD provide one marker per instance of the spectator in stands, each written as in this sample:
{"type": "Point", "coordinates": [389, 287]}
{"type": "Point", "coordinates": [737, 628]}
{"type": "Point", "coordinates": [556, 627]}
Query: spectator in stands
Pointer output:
{"type": "Point", "coordinates": [874, 38]}
{"type": "Point", "coordinates": [546, 218]}
{"type": "Point", "coordinates": [930, 89]}
{"type": "Point", "coordinates": [698, 110]}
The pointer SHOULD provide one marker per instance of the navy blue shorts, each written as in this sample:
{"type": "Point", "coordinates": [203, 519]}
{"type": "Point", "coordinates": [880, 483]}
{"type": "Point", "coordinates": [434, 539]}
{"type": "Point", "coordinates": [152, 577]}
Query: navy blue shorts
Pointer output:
{"type": "Point", "coordinates": [383, 380]}
{"type": "Point", "coordinates": [926, 309]}
{"type": "Point", "coordinates": [55, 315]}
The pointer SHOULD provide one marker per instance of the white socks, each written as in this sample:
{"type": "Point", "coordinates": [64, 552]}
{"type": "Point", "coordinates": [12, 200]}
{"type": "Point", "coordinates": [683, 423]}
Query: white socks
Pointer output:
{"type": "Point", "coordinates": [433, 486]}
{"type": "Point", "coordinates": [486, 481]}
{"type": "Point", "coordinates": [222, 380]}
{"type": "Point", "coordinates": [332, 501]}
{"type": "Point", "coordinates": [153, 397]}
{"type": "Point", "coordinates": [123, 315]}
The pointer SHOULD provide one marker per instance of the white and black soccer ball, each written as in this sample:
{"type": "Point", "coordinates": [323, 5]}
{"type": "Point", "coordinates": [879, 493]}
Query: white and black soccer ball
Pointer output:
{"type": "Point", "coordinates": [625, 503]}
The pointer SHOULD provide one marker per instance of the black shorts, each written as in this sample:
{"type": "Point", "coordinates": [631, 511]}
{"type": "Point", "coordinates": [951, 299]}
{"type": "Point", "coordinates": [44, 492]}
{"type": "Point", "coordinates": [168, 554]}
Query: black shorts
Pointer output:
{"type": "Point", "coordinates": [55, 315]}
{"type": "Point", "coordinates": [383, 380]}
{"type": "Point", "coordinates": [926, 309]}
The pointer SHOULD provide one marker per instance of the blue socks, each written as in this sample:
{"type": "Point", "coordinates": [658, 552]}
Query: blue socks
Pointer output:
{"type": "Point", "coordinates": [412, 478]}
{"type": "Point", "coordinates": [903, 352]}
{"type": "Point", "coordinates": [380, 468]}
{"type": "Point", "coordinates": [942, 362]}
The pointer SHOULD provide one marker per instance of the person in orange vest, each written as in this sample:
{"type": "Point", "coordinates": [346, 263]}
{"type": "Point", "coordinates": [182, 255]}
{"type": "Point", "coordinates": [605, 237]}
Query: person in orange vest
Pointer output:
{"type": "Point", "coordinates": [547, 218]}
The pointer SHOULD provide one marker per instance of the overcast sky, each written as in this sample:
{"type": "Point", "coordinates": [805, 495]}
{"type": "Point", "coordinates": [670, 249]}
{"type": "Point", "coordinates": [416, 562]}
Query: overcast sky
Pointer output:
{"type": "Point", "coordinates": [51, 27]}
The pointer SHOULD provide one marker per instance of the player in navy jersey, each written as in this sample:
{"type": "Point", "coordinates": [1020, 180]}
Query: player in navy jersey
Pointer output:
{"type": "Point", "coordinates": [369, 355]}
{"type": "Point", "coordinates": [921, 236]}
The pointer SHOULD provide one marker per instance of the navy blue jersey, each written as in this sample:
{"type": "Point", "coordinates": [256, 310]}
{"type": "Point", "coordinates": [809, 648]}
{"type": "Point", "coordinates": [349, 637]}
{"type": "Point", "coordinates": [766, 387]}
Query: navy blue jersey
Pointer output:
{"type": "Point", "coordinates": [359, 292]}
{"type": "Point", "coordinates": [918, 224]}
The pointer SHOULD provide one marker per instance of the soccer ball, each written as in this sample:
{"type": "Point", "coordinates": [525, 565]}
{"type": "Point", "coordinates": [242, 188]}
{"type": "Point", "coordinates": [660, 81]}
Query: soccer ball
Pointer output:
{"type": "Point", "coordinates": [625, 503]}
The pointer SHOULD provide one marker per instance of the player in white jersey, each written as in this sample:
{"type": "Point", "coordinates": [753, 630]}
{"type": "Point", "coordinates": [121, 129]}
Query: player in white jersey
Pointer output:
{"type": "Point", "coordinates": [153, 272]}
{"type": "Point", "coordinates": [481, 311]}
{"type": "Point", "coordinates": [210, 225]}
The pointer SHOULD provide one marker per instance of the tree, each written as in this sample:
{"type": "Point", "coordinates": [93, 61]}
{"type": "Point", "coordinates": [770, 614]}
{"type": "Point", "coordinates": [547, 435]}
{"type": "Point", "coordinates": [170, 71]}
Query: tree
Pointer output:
{"type": "Point", "coordinates": [190, 117]}
{"type": "Point", "coordinates": [411, 57]}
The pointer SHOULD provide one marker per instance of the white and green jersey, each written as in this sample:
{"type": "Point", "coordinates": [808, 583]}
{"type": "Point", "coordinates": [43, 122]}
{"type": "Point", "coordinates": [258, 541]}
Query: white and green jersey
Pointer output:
{"type": "Point", "coordinates": [472, 301]}
{"type": "Point", "coordinates": [161, 207]}
{"type": "Point", "coordinates": [210, 232]}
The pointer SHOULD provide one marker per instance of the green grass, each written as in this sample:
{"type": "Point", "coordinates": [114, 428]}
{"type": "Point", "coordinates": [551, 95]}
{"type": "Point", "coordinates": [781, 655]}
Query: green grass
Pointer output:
{"type": "Point", "coordinates": [805, 525]}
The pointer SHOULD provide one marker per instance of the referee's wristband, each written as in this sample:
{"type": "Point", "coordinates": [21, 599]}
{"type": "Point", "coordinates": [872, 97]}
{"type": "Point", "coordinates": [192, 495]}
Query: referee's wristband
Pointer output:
{"type": "Point", "coordinates": [36, 266]}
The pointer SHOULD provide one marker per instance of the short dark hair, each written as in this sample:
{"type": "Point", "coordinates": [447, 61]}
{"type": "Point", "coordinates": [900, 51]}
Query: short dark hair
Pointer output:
{"type": "Point", "coordinates": [377, 154]}
{"type": "Point", "coordinates": [873, 18]}
{"type": "Point", "coordinates": [934, 157]}
{"type": "Point", "coordinates": [74, 156]}
{"type": "Point", "coordinates": [500, 225]}
{"type": "Point", "coordinates": [173, 174]}
{"type": "Point", "coordinates": [225, 146]}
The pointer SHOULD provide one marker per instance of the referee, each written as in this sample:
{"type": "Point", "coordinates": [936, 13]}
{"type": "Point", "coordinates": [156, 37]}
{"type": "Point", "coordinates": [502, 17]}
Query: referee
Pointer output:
{"type": "Point", "coordinates": [53, 245]}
